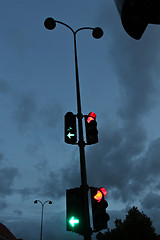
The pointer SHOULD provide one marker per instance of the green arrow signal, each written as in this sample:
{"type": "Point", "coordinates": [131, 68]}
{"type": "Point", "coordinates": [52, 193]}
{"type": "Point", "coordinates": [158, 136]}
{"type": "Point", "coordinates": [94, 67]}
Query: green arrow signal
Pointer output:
{"type": "Point", "coordinates": [73, 221]}
{"type": "Point", "coordinates": [70, 135]}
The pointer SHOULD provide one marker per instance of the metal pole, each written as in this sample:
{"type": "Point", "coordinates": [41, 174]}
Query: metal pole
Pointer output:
{"type": "Point", "coordinates": [36, 201]}
{"type": "Point", "coordinates": [81, 144]}
{"type": "Point", "coordinates": [41, 222]}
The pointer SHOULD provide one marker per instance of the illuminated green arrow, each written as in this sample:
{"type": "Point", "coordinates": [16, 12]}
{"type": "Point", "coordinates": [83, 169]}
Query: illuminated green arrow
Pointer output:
{"type": "Point", "coordinates": [73, 221]}
{"type": "Point", "coordinates": [70, 135]}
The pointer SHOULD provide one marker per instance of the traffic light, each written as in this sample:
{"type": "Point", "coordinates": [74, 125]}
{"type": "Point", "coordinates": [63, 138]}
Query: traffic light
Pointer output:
{"type": "Point", "coordinates": [99, 205]}
{"type": "Point", "coordinates": [91, 128]}
{"type": "Point", "coordinates": [75, 210]}
{"type": "Point", "coordinates": [70, 128]}
{"type": "Point", "coordinates": [137, 14]}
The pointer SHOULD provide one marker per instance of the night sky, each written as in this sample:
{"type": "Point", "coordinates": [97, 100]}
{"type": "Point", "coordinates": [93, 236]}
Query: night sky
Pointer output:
{"type": "Point", "coordinates": [119, 81]}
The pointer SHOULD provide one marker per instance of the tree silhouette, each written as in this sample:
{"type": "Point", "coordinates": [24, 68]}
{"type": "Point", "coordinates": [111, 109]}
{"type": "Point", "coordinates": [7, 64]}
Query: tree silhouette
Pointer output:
{"type": "Point", "coordinates": [136, 226]}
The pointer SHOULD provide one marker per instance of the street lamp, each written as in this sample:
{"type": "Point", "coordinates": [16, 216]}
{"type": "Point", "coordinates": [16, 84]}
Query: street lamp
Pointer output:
{"type": "Point", "coordinates": [97, 33]}
{"type": "Point", "coordinates": [36, 201]}
{"type": "Point", "coordinates": [50, 24]}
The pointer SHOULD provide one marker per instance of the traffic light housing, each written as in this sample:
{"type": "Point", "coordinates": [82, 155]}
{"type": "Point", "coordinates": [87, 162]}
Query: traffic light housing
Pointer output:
{"type": "Point", "coordinates": [70, 128]}
{"type": "Point", "coordinates": [99, 205]}
{"type": "Point", "coordinates": [75, 210]}
{"type": "Point", "coordinates": [91, 128]}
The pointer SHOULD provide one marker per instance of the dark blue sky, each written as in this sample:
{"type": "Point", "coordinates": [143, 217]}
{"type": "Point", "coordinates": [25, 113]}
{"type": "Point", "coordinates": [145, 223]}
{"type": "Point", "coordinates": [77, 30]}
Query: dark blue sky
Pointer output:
{"type": "Point", "coordinates": [119, 79]}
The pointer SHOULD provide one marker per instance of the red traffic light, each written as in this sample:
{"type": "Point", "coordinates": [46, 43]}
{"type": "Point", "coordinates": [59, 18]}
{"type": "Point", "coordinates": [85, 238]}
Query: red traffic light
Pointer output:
{"type": "Point", "coordinates": [91, 128]}
{"type": "Point", "coordinates": [100, 194]}
{"type": "Point", "coordinates": [91, 117]}
{"type": "Point", "coordinates": [99, 205]}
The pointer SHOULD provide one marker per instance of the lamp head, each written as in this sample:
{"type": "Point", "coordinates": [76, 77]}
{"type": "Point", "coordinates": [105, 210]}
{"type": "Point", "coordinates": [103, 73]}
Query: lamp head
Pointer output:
{"type": "Point", "coordinates": [97, 32]}
{"type": "Point", "coordinates": [50, 23]}
{"type": "Point", "coordinates": [35, 201]}
{"type": "Point", "coordinates": [50, 202]}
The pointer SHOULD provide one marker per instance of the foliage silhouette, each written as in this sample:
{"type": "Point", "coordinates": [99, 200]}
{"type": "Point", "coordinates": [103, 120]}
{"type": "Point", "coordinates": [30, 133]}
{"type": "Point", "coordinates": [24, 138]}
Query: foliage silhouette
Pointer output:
{"type": "Point", "coordinates": [136, 226]}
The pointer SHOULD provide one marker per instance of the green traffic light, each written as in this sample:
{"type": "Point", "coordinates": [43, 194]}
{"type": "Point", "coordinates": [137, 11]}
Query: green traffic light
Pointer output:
{"type": "Point", "coordinates": [73, 221]}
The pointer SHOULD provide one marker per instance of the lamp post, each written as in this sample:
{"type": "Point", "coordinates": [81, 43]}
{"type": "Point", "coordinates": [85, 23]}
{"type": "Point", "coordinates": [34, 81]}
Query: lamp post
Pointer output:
{"type": "Point", "coordinates": [36, 201]}
{"type": "Point", "coordinates": [97, 33]}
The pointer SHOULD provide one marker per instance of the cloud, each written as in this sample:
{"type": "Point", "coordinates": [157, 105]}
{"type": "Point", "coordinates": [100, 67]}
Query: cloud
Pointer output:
{"type": "Point", "coordinates": [112, 163]}
{"type": "Point", "coordinates": [1, 156]}
{"type": "Point", "coordinates": [135, 64]}
{"type": "Point", "coordinates": [151, 201]}
{"type": "Point", "coordinates": [3, 205]}
{"type": "Point", "coordinates": [18, 212]}
{"type": "Point", "coordinates": [4, 86]}
{"type": "Point", "coordinates": [27, 192]}
{"type": "Point", "coordinates": [25, 110]}
{"type": "Point", "coordinates": [7, 177]}
{"type": "Point", "coordinates": [51, 114]}
{"type": "Point", "coordinates": [57, 182]}
{"type": "Point", "coordinates": [29, 115]}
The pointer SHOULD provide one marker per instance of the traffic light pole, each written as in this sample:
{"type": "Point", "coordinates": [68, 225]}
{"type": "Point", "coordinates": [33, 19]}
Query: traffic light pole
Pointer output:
{"type": "Point", "coordinates": [97, 33]}
{"type": "Point", "coordinates": [81, 145]}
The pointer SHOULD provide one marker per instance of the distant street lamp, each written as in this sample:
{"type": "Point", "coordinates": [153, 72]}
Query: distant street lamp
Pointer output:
{"type": "Point", "coordinates": [36, 201]}
{"type": "Point", "coordinates": [97, 33]}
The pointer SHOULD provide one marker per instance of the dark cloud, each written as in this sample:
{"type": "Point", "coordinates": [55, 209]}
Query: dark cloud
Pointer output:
{"type": "Point", "coordinates": [18, 213]}
{"type": "Point", "coordinates": [114, 165]}
{"type": "Point", "coordinates": [57, 182]}
{"type": "Point", "coordinates": [25, 111]}
{"type": "Point", "coordinates": [1, 156]}
{"type": "Point", "coordinates": [135, 64]}
{"type": "Point", "coordinates": [153, 156]}
{"type": "Point", "coordinates": [151, 201]}
{"type": "Point", "coordinates": [27, 192]}
{"type": "Point", "coordinates": [3, 204]}
{"type": "Point", "coordinates": [4, 86]}
{"type": "Point", "coordinates": [51, 114]}
{"type": "Point", "coordinates": [7, 177]}
{"type": "Point", "coordinates": [30, 116]}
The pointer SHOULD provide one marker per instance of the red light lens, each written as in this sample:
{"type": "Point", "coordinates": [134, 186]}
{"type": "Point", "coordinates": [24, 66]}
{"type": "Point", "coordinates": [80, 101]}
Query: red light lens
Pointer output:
{"type": "Point", "coordinates": [98, 196]}
{"type": "Point", "coordinates": [89, 119]}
